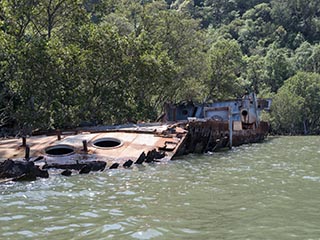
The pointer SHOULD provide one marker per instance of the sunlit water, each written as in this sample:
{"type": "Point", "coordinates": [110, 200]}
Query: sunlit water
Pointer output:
{"type": "Point", "coordinates": [260, 191]}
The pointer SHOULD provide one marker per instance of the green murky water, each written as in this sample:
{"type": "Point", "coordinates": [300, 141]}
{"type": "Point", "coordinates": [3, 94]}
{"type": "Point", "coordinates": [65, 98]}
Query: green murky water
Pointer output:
{"type": "Point", "coordinates": [259, 191]}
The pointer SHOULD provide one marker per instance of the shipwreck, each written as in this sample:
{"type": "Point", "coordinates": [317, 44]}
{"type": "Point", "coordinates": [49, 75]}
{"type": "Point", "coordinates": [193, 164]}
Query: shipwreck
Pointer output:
{"type": "Point", "coordinates": [184, 128]}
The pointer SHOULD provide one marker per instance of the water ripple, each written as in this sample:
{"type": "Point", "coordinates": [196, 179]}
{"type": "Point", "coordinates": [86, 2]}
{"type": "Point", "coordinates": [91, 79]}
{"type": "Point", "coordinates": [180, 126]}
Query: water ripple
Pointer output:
{"type": "Point", "coordinates": [250, 192]}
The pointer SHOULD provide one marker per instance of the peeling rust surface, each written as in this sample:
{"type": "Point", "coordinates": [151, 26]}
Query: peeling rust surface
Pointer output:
{"type": "Point", "coordinates": [132, 142]}
{"type": "Point", "coordinates": [128, 146]}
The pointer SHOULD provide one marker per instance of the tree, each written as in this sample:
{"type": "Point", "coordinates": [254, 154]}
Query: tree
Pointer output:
{"type": "Point", "coordinates": [64, 62]}
{"type": "Point", "coordinates": [314, 60]}
{"type": "Point", "coordinates": [184, 42]}
{"type": "Point", "coordinates": [297, 16]}
{"type": "Point", "coordinates": [217, 12]}
{"type": "Point", "coordinates": [152, 77]}
{"type": "Point", "coordinates": [225, 62]}
{"type": "Point", "coordinates": [296, 107]}
{"type": "Point", "coordinates": [16, 17]}
{"type": "Point", "coordinates": [53, 16]}
{"type": "Point", "coordinates": [301, 56]}
{"type": "Point", "coordinates": [307, 57]}
{"type": "Point", "coordinates": [255, 73]}
{"type": "Point", "coordinates": [287, 112]}
{"type": "Point", "coordinates": [103, 78]}
{"type": "Point", "coordinates": [179, 37]}
{"type": "Point", "coordinates": [257, 29]}
{"type": "Point", "coordinates": [244, 5]}
{"type": "Point", "coordinates": [6, 67]}
{"type": "Point", "coordinates": [278, 67]}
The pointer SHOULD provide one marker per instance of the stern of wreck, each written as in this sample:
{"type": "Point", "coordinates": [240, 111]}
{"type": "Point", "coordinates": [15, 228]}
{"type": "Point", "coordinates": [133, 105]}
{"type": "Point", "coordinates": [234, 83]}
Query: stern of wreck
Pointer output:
{"type": "Point", "coordinates": [220, 124]}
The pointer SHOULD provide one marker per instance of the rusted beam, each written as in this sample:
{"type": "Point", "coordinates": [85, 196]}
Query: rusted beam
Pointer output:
{"type": "Point", "coordinates": [85, 145]}
{"type": "Point", "coordinates": [27, 153]}
{"type": "Point", "coordinates": [58, 132]}
{"type": "Point", "coordinates": [24, 141]}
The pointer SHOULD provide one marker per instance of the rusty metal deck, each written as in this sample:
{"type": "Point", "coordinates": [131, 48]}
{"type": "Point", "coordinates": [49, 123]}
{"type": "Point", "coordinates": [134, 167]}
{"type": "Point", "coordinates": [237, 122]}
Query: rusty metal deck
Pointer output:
{"type": "Point", "coordinates": [131, 143]}
{"type": "Point", "coordinates": [96, 149]}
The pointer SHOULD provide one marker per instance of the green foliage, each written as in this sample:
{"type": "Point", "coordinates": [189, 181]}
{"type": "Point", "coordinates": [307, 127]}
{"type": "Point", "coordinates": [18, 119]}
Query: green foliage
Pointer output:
{"type": "Point", "coordinates": [66, 62]}
{"type": "Point", "coordinates": [225, 62]}
{"type": "Point", "coordinates": [278, 67]}
{"type": "Point", "coordinates": [6, 50]}
{"type": "Point", "coordinates": [298, 17]}
{"type": "Point", "coordinates": [296, 107]}
{"type": "Point", "coordinates": [254, 74]}
{"type": "Point", "coordinates": [287, 112]}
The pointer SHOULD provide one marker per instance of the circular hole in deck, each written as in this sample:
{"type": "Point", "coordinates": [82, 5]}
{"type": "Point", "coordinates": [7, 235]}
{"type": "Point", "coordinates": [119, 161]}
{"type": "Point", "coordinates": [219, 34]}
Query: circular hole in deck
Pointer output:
{"type": "Point", "coordinates": [107, 143]}
{"type": "Point", "coordinates": [59, 150]}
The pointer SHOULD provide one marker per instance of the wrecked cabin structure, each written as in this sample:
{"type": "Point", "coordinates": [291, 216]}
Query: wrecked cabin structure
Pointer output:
{"type": "Point", "coordinates": [220, 124]}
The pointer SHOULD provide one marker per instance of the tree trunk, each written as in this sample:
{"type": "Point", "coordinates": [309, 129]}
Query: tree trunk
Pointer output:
{"type": "Point", "coordinates": [305, 130]}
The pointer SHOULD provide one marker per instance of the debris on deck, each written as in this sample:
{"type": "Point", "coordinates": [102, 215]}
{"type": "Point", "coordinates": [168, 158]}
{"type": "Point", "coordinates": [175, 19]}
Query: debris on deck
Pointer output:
{"type": "Point", "coordinates": [94, 149]}
{"type": "Point", "coordinates": [187, 128]}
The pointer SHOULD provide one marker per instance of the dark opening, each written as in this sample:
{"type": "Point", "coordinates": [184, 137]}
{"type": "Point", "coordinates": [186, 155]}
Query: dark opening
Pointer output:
{"type": "Point", "coordinates": [194, 112]}
{"type": "Point", "coordinates": [107, 143]}
{"type": "Point", "coordinates": [244, 113]}
{"type": "Point", "coordinates": [59, 150]}
{"type": "Point", "coordinates": [185, 112]}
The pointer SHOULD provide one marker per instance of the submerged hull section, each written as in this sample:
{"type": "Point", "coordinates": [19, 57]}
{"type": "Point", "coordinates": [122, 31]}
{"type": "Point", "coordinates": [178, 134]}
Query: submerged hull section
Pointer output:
{"type": "Point", "coordinates": [69, 149]}
{"type": "Point", "coordinates": [210, 135]}
{"type": "Point", "coordinates": [100, 148]}
{"type": "Point", "coordinates": [111, 146]}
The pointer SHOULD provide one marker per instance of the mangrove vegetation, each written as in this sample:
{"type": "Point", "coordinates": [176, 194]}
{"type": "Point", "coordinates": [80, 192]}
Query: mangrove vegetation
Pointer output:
{"type": "Point", "coordinates": [66, 63]}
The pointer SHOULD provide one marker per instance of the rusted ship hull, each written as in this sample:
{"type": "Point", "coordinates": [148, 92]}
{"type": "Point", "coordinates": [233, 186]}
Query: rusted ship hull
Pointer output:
{"type": "Point", "coordinates": [98, 149]}
{"type": "Point", "coordinates": [188, 128]}
{"type": "Point", "coordinates": [210, 135]}
{"type": "Point", "coordinates": [110, 145]}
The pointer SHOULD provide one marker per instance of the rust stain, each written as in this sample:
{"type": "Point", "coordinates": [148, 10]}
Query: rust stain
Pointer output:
{"type": "Point", "coordinates": [132, 142]}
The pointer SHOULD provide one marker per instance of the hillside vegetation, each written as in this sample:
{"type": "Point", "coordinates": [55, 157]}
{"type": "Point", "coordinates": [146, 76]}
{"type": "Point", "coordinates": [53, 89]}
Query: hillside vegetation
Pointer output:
{"type": "Point", "coordinates": [68, 62]}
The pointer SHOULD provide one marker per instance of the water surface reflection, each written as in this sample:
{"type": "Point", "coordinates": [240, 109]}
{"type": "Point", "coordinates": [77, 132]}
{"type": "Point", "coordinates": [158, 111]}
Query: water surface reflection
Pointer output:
{"type": "Point", "coordinates": [258, 191]}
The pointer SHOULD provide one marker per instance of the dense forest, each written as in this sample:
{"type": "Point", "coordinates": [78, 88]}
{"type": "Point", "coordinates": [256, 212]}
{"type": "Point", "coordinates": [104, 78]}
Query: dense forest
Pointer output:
{"type": "Point", "coordinates": [65, 63]}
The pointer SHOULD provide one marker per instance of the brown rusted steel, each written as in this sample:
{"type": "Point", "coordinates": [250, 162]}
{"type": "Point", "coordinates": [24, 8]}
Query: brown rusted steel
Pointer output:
{"type": "Point", "coordinates": [58, 135]}
{"type": "Point", "coordinates": [85, 147]}
{"type": "Point", "coordinates": [27, 153]}
{"type": "Point", "coordinates": [113, 148]}
{"type": "Point", "coordinates": [24, 141]}
{"type": "Point", "coordinates": [209, 135]}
